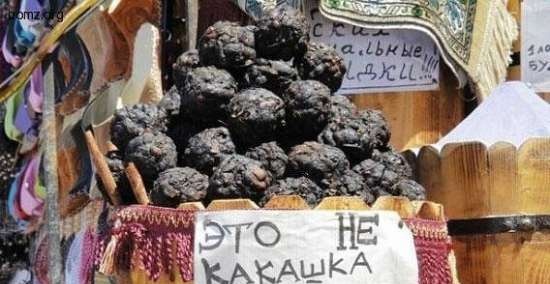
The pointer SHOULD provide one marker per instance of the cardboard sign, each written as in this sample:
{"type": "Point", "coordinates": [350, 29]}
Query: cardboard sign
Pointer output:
{"type": "Point", "coordinates": [352, 247]}
{"type": "Point", "coordinates": [379, 60]}
{"type": "Point", "coordinates": [535, 46]}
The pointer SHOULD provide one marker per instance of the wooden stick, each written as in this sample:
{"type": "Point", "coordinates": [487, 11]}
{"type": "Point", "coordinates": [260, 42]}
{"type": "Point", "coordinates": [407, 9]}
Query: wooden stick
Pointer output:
{"type": "Point", "coordinates": [137, 184]}
{"type": "Point", "coordinates": [192, 23]}
{"type": "Point", "coordinates": [48, 135]}
{"type": "Point", "coordinates": [102, 168]}
{"type": "Point", "coordinates": [111, 147]}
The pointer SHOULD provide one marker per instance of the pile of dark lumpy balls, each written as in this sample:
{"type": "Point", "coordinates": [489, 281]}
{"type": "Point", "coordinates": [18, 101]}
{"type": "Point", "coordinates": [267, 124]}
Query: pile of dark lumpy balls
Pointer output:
{"type": "Point", "coordinates": [252, 115]}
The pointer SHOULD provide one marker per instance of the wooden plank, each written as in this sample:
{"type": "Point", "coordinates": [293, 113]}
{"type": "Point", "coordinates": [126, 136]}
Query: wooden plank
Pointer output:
{"type": "Point", "coordinates": [464, 184]}
{"type": "Point", "coordinates": [136, 183]}
{"type": "Point", "coordinates": [342, 203]}
{"type": "Point", "coordinates": [428, 164]}
{"type": "Point", "coordinates": [51, 216]}
{"type": "Point", "coordinates": [286, 202]}
{"type": "Point", "coordinates": [534, 176]}
{"type": "Point", "coordinates": [473, 255]}
{"type": "Point", "coordinates": [515, 258]}
{"type": "Point", "coordinates": [503, 172]}
{"type": "Point", "coordinates": [535, 257]}
{"type": "Point", "coordinates": [191, 206]}
{"type": "Point", "coordinates": [401, 205]}
{"type": "Point", "coordinates": [231, 204]}
{"type": "Point", "coordinates": [192, 22]}
{"type": "Point", "coordinates": [102, 168]}
{"type": "Point", "coordinates": [428, 210]}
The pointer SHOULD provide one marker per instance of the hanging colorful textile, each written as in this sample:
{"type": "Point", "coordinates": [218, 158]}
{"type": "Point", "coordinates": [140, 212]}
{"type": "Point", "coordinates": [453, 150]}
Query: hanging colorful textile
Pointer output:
{"type": "Point", "coordinates": [475, 37]}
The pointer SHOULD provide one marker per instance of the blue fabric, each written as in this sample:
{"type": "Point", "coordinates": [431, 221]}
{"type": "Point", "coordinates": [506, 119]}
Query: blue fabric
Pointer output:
{"type": "Point", "coordinates": [23, 37]}
{"type": "Point", "coordinates": [12, 196]}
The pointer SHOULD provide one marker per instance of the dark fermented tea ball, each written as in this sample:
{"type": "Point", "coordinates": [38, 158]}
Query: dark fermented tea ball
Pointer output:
{"type": "Point", "coordinates": [207, 92]}
{"type": "Point", "coordinates": [316, 161]}
{"type": "Point", "coordinates": [170, 103]}
{"type": "Point", "coordinates": [273, 75]}
{"type": "Point", "coordinates": [308, 108]}
{"type": "Point", "coordinates": [322, 63]}
{"type": "Point", "coordinates": [132, 121]}
{"type": "Point", "coordinates": [227, 45]}
{"type": "Point", "coordinates": [206, 149]}
{"type": "Point", "coordinates": [341, 106]}
{"type": "Point", "coordinates": [239, 177]}
{"type": "Point", "coordinates": [282, 33]}
{"type": "Point", "coordinates": [152, 154]}
{"type": "Point", "coordinates": [348, 183]}
{"type": "Point", "coordinates": [178, 185]}
{"type": "Point", "coordinates": [302, 186]}
{"type": "Point", "coordinates": [357, 135]}
{"type": "Point", "coordinates": [184, 63]}
{"type": "Point", "coordinates": [272, 157]}
{"type": "Point", "coordinates": [256, 115]}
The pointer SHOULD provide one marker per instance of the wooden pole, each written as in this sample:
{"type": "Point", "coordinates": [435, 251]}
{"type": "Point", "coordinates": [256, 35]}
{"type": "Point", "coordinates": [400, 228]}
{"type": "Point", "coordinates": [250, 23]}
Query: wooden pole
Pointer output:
{"type": "Point", "coordinates": [49, 148]}
{"type": "Point", "coordinates": [192, 23]}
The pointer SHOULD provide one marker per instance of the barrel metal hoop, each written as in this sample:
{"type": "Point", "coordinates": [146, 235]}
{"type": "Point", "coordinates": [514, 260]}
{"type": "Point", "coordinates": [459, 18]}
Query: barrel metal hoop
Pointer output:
{"type": "Point", "coordinates": [497, 225]}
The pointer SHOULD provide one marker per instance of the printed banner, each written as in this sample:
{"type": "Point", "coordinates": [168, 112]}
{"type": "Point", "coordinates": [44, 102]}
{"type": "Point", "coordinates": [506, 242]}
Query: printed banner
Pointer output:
{"type": "Point", "coordinates": [333, 247]}
{"type": "Point", "coordinates": [379, 60]}
{"type": "Point", "coordinates": [535, 46]}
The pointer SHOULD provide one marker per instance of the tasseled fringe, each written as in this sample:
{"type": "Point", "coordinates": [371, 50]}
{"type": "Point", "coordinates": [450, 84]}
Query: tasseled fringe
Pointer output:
{"type": "Point", "coordinates": [153, 252]}
{"type": "Point", "coordinates": [433, 250]}
{"type": "Point", "coordinates": [501, 32]}
{"type": "Point", "coordinates": [107, 265]}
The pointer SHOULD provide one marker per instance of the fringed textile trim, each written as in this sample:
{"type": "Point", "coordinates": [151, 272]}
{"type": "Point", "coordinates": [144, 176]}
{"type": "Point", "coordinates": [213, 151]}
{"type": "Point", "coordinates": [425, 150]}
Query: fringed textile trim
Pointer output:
{"type": "Point", "coordinates": [152, 239]}
{"type": "Point", "coordinates": [496, 50]}
{"type": "Point", "coordinates": [433, 246]}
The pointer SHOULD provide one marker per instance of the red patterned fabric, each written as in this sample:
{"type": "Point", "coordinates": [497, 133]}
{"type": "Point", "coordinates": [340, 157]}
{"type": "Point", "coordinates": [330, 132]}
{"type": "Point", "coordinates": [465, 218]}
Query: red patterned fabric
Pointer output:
{"type": "Point", "coordinates": [89, 244]}
{"type": "Point", "coordinates": [153, 233]}
{"type": "Point", "coordinates": [40, 261]}
{"type": "Point", "coordinates": [433, 246]}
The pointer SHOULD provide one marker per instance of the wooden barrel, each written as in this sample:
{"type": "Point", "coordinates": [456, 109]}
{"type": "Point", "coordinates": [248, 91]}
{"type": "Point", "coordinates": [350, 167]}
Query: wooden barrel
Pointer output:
{"type": "Point", "coordinates": [497, 201]}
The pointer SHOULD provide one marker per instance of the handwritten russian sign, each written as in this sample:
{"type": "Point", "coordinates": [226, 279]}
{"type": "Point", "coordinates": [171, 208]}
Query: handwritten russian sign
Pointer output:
{"type": "Point", "coordinates": [379, 60]}
{"type": "Point", "coordinates": [535, 47]}
{"type": "Point", "coordinates": [352, 247]}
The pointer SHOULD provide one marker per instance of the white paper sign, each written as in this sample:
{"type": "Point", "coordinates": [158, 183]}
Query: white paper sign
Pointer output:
{"type": "Point", "coordinates": [329, 247]}
{"type": "Point", "coordinates": [535, 46]}
{"type": "Point", "coordinates": [379, 60]}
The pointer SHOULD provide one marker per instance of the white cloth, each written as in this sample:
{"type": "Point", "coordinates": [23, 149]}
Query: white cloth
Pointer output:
{"type": "Point", "coordinates": [512, 113]}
